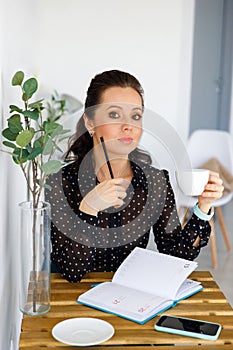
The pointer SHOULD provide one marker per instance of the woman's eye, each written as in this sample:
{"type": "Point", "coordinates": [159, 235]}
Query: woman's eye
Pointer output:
{"type": "Point", "coordinates": [136, 116]}
{"type": "Point", "coordinates": [114, 115]}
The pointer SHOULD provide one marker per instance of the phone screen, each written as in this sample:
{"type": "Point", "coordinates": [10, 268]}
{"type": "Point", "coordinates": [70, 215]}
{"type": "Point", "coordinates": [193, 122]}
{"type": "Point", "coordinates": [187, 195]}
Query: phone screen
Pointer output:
{"type": "Point", "coordinates": [189, 325]}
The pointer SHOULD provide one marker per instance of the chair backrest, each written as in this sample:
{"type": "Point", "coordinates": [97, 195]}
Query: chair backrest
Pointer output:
{"type": "Point", "coordinates": [205, 144]}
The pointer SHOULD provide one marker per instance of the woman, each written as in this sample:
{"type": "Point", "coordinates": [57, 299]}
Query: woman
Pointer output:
{"type": "Point", "coordinates": [102, 209]}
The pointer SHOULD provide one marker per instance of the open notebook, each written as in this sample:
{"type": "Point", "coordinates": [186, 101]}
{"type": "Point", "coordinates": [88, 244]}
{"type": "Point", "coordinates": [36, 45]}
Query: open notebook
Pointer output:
{"type": "Point", "coordinates": [145, 284]}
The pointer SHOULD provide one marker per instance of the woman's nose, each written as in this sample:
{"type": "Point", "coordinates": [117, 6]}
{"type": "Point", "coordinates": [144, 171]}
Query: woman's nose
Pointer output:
{"type": "Point", "coordinates": [127, 126]}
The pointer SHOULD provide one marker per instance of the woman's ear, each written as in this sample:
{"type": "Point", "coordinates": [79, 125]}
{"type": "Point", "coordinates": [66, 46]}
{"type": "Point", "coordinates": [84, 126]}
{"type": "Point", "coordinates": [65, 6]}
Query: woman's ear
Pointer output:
{"type": "Point", "coordinates": [89, 125]}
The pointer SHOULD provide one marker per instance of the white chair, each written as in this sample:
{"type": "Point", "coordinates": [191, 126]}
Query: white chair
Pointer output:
{"type": "Point", "coordinates": [202, 146]}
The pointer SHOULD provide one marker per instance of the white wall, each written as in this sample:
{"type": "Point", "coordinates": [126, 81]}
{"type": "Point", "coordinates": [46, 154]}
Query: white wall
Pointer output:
{"type": "Point", "coordinates": [64, 43]}
{"type": "Point", "coordinates": [152, 40]}
{"type": "Point", "coordinates": [17, 50]}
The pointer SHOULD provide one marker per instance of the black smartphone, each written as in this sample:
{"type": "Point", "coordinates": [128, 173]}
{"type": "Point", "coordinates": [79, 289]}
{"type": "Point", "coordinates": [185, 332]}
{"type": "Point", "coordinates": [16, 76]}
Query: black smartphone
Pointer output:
{"type": "Point", "coordinates": [188, 327]}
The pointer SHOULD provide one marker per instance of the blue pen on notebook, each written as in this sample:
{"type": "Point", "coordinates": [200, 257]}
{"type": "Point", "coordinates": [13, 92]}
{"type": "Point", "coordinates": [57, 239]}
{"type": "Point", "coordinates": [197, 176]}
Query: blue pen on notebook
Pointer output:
{"type": "Point", "coordinates": [106, 156]}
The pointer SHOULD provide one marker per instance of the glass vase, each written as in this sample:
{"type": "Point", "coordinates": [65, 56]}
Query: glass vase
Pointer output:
{"type": "Point", "coordinates": [34, 258]}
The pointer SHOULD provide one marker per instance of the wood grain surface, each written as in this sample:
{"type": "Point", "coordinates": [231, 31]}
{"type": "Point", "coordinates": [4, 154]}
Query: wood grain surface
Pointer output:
{"type": "Point", "coordinates": [209, 304]}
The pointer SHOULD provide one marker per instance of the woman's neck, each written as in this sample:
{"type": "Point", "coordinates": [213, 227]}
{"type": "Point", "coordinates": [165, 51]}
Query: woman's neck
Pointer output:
{"type": "Point", "coordinates": [121, 168]}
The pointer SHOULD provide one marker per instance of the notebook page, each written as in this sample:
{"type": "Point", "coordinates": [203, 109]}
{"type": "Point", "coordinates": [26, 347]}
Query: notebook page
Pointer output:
{"type": "Point", "coordinates": [153, 272]}
{"type": "Point", "coordinates": [188, 287]}
{"type": "Point", "coordinates": [123, 300]}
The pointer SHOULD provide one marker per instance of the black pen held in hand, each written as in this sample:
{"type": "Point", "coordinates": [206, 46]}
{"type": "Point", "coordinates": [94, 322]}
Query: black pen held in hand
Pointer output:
{"type": "Point", "coordinates": [106, 156]}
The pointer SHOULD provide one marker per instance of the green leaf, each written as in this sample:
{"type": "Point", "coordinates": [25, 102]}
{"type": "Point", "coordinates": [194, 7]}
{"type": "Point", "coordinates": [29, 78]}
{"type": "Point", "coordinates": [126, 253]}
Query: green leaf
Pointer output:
{"type": "Point", "coordinates": [9, 144]}
{"type": "Point", "coordinates": [24, 138]}
{"type": "Point", "coordinates": [48, 147]}
{"type": "Point", "coordinates": [36, 105]}
{"type": "Point", "coordinates": [63, 103]}
{"type": "Point", "coordinates": [30, 86]}
{"type": "Point", "coordinates": [14, 108]}
{"type": "Point", "coordinates": [39, 142]}
{"type": "Point", "coordinates": [48, 187]}
{"type": "Point", "coordinates": [53, 129]}
{"type": "Point", "coordinates": [49, 126]}
{"type": "Point", "coordinates": [29, 148]}
{"type": "Point", "coordinates": [17, 78]}
{"type": "Point", "coordinates": [14, 124]}
{"type": "Point", "coordinates": [64, 164]}
{"type": "Point", "coordinates": [57, 131]}
{"type": "Point", "coordinates": [20, 155]}
{"type": "Point", "coordinates": [35, 152]}
{"type": "Point", "coordinates": [25, 97]}
{"type": "Point", "coordinates": [31, 114]}
{"type": "Point", "coordinates": [9, 135]}
{"type": "Point", "coordinates": [52, 167]}
{"type": "Point", "coordinates": [58, 148]}
{"type": "Point", "coordinates": [64, 131]}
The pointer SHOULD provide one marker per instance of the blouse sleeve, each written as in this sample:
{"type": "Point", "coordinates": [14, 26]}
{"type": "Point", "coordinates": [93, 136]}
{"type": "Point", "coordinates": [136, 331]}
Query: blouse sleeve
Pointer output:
{"type": "Point", "coordinates": [168, 234]}
{"type": "Point", "coordinates": [72, 250]}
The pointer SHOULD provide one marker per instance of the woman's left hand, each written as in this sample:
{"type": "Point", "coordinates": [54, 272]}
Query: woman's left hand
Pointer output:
{"type": "Point", "coordinates": [213, 190]}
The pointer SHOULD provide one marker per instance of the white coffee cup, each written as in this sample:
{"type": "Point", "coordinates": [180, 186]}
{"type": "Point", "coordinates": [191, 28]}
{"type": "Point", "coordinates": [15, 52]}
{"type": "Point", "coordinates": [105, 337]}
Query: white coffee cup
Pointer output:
{"type": "Point", "coordinates": [192, 181]}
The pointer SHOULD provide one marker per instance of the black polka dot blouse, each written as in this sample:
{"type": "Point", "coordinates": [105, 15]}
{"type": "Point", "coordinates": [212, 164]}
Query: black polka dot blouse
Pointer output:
{"type": "Point", "coordinates": [83, 243]}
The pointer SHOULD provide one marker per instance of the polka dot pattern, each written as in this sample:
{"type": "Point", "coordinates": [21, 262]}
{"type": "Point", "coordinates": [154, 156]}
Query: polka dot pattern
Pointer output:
{"type": "Point", "coordinates": [82, 243]}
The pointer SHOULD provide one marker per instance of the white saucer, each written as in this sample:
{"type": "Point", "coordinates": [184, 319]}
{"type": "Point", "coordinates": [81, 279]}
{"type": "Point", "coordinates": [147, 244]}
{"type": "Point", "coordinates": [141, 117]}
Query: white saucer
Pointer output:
{"type": "Point", "coordinates": [83, 331]}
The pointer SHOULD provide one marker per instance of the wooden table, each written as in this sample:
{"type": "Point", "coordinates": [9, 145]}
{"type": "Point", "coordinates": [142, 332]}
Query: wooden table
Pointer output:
{"type": "Point", "coordinates": [209, 304]}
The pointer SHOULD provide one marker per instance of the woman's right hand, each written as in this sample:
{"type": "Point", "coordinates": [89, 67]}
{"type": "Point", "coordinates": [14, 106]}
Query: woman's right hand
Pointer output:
{"type": "Point", "coordinates": [106, 194]}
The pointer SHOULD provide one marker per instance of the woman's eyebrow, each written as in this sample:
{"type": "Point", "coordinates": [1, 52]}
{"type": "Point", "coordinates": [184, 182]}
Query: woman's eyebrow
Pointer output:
{"type": "Point", "coordinates": [115, 106]}
{"type": "Point", "coordinates": [137, 108]}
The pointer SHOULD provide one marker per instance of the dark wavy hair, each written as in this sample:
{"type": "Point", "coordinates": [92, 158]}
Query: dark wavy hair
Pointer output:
{"type": "Point", "coordinates": [81, 143]}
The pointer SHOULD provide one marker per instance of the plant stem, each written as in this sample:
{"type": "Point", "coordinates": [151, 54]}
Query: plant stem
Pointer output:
{"type": "Point", "coordinates": [35, 207]}
{"type": "Point", "coordinates": [34, 282]}
{"type": "Point", "coordinates": [26, 177]}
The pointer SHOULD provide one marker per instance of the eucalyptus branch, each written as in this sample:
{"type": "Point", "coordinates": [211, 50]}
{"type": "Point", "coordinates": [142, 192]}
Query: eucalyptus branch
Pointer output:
{"type": "Point", "coordinates": [25, 175]}
{"type": "Point", "coordinates": [32, 145]}
{"type": "Point", "coordinates": [33, 140]}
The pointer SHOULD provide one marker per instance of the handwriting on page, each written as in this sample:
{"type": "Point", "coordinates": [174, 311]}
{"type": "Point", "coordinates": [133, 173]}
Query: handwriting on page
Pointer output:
{"type": "Point", "coordinates": [118, 300]}
{"type": "Point", "coordinates": [144, 308]}
{"type": "Point", "coordinates": [146, 283]}
{"type": "Point", "coordinates": [186, 266]}
{"type": "Point", "coordinates": [124, 298]}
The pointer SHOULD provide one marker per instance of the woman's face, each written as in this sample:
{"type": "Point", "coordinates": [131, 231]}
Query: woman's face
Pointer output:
{"type": "Point", "coordinates": [118, 119]}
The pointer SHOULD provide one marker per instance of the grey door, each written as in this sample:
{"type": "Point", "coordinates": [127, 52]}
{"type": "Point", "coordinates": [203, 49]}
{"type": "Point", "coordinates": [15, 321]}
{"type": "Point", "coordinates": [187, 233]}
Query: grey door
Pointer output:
{"type": "Point", "coordinates": [212, 65]}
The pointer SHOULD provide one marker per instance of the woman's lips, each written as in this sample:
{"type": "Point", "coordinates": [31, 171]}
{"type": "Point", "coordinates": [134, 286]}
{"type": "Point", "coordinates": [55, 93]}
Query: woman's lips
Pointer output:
{"type": "Point", "coordinates": [126, 140]}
